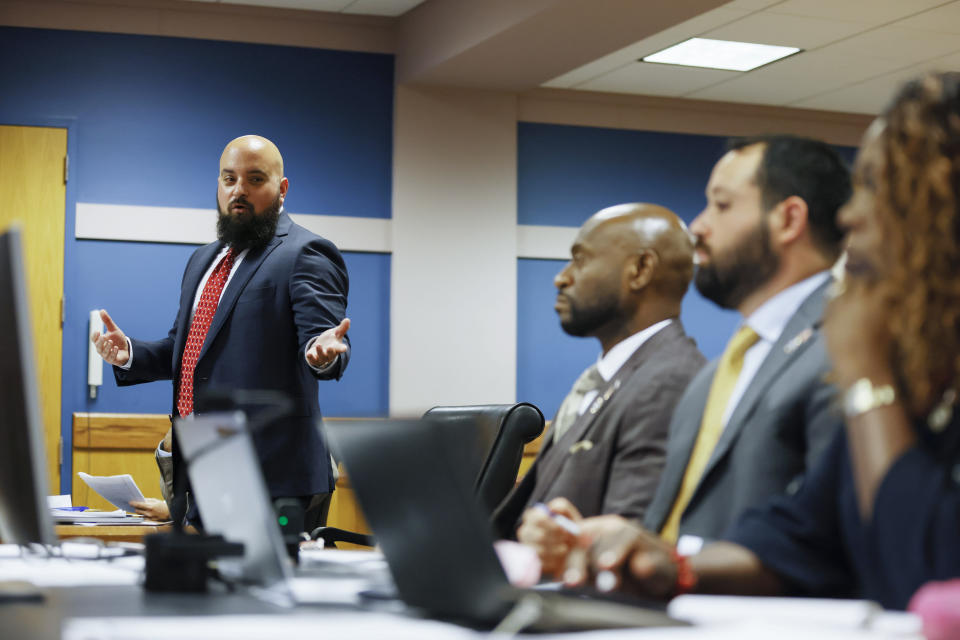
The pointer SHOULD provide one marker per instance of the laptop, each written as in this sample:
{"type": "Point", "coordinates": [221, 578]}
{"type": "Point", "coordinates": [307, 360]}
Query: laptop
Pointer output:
{"type": "Point", "coordinates": [439, 545]}
{"type": "Point", "coordinates": [233, 500]}
{"type": "Point", "coordinates": [232, 497]}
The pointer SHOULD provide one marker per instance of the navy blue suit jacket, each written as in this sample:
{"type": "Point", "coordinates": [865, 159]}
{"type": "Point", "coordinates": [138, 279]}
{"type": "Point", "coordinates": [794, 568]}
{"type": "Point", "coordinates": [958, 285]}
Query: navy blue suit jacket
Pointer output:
{"type": "Point", "coordinates": [279, 298]}
{"type": "Point", "coordinates": [818, 544]}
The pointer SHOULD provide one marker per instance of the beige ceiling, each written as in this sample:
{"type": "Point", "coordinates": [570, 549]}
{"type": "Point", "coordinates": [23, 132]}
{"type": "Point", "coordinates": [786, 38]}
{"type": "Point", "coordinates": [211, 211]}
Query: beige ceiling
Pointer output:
{"type": "Point", "coordinates": [855, 53]}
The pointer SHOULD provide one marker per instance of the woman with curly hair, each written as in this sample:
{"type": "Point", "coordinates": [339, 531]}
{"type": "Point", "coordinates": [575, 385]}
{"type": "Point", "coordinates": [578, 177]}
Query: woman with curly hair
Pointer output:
{"type": "Point", "coordinates": [880, 515]}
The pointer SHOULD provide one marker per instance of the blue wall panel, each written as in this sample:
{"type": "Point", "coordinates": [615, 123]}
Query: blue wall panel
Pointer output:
{"type": "Point", "coordinates": [567, 173]}
{"type": "Point", "coordinates": [148, 118]}
{"type": "Point", "coordinates": [154, 114]}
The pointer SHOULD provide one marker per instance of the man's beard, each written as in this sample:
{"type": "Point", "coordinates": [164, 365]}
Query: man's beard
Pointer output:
{"type": "Point", "coordinates": [583, 321]}
{"type": "Point", "coordinates": [728, 280]}
{"type": "Point", "coordinates": [250, 229]}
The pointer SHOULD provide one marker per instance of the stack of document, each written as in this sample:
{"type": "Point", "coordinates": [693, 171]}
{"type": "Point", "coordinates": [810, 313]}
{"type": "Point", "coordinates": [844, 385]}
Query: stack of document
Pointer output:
{"type": "Point", "coordinates": [117, 490]}
{"type": "Point", "coordinates": [79, 515]}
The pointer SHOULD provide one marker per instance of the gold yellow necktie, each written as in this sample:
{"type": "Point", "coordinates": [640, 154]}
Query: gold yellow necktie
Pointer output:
{"type": "Point", "coordinates": [728, 370]}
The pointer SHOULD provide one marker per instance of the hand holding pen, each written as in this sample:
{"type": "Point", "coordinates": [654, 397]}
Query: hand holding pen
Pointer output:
{"type": "Point", "coordinates": [551, 530]}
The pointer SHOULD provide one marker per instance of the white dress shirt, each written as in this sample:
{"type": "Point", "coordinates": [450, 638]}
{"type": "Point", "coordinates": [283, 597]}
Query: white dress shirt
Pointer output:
{"type": "Point", "coordinates": [609, 364]}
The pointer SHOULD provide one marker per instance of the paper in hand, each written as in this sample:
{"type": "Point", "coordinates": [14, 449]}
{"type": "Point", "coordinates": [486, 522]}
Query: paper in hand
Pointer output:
{"type": "Point", "coordinates": [117, 490]}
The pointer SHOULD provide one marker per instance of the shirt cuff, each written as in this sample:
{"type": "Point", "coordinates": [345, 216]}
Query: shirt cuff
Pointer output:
{"type": "Point", "coordinates": [129, 361]}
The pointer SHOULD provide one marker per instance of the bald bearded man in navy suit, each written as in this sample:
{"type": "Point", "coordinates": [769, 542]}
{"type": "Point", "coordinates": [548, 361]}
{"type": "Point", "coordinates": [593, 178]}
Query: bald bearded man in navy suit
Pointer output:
{"type": "Point", "coordinates": [261, 308]}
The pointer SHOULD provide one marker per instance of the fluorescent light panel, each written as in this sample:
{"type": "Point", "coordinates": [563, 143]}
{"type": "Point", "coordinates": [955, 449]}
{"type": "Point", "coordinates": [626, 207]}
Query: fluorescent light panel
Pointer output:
{"type": "Point", "coordinates": [720, 54]}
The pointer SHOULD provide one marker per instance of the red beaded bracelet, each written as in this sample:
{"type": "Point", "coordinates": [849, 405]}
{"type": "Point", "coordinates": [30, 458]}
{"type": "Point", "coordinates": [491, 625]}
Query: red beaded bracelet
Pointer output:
{"type": "Point", "coordinates": [686, 577]}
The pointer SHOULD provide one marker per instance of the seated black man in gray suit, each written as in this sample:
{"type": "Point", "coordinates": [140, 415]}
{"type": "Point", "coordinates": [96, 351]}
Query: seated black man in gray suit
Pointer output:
{"type": "Point", "coordinates": [630, 267]}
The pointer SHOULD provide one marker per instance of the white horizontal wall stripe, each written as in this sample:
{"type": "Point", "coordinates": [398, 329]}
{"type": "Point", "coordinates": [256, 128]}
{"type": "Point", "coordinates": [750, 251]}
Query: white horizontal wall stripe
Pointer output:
{"type": "Point", "coordinates": [198, 226]}
{"type": "Point", "coordinates": [145, 224]}
{"type": "Point", "coordinates": [535, 241]}
{"type": "Point", "coordinates": [135, 223]}
{"type": "Point", "coordinates": [350, 233]}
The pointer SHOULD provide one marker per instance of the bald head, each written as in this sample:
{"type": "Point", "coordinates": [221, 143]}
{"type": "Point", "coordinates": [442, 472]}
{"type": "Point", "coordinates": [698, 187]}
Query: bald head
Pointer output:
{"type": "Point", "coordinates": [639, 227]}
{"type": "Point", "coordinates": [630, 267]}
{"type": "Point", "coordinates": [256, 146]}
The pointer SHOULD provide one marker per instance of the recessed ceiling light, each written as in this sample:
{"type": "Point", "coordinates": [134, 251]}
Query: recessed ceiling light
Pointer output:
{"type": "Point", "coordinates": [720, 54]}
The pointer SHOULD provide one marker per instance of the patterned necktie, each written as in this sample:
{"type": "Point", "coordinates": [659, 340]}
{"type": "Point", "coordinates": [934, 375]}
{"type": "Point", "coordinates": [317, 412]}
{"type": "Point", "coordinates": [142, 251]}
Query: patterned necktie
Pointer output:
{"type": "Point", "coordinates": [589, 380]}
{"type": "Point", "coordinates": [199, 327]}
{"type": "Point", "coordinates": [711, 426]}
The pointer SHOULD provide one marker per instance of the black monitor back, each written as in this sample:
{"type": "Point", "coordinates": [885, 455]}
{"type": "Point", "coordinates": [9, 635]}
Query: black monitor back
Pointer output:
{"type": "Point", "coordinates": [24, 515]}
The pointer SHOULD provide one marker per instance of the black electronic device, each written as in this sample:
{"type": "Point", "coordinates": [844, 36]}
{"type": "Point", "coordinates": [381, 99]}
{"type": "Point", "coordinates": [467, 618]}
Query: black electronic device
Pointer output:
{"type": "Point", "coordinates": [438, 542]}
{"type": "Point", "coordinates": [24, 514]}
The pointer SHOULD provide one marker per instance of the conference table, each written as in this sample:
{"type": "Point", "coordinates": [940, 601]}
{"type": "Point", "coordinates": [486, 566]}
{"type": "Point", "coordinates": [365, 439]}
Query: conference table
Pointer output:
{"type": "Point", "coordinates": [105, 600]}
{"type": "Point", "coordinates": [109, 533]}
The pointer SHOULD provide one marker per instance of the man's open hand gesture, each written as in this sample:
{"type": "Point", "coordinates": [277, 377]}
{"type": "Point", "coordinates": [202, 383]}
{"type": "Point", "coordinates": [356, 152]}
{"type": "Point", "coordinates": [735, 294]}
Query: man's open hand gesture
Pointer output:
{"type": "Point", "coordinates": [112, 345]}
{"type": "Point", "coordinates": [328, 345]}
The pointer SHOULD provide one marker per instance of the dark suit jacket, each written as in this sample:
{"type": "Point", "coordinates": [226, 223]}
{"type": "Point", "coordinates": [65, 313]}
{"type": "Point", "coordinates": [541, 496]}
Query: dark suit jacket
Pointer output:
{"type": "Point", "coordinates": [279, 298]}
{"type": "Point", "coordinates": [819, 545]}
{"type": "Point", "coordinates": [626, 428]}
{"type": "Point", "coordinates": [781, 425]}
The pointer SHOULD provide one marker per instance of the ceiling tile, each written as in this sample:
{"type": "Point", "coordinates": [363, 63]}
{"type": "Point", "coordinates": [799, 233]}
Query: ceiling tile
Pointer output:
{"type": "Point", "coordinates": [874, 11]}
{"type": "Point", "coordinates": [906, 46]}
{"type": "Point", "coordinates": [311, 5]}
{"type": "Point", "coordinates": [791, 31]}
{"type": "Point", "coordinates": [381, 7]}
{"type": "Point", "coordinates": [864, 97]}
{"type": "Point", "coordinates": [804, 75]}
{"type": "Point", "coordinates": [668, 37]}
{"type": "Point", "coordinates": [945, 19]}
{"type": "Point", "coordinates": [651, 79]}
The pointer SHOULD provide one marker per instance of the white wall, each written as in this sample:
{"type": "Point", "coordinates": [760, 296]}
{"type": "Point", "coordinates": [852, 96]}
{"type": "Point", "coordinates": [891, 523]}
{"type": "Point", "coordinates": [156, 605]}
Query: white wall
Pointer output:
{"type": "Point", "coordinates": [454, 268]}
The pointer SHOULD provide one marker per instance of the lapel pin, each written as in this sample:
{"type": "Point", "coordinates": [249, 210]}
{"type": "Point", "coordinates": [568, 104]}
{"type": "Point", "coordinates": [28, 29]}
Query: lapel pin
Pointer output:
{"type": "Point", "coordinates": [583, 445]}
{"type": "Point", "coordinates": [596, 405]}
{"type": "Point", "coordinates": [798, 340]}
{"type": "Point", "coordinates": [611, 390]}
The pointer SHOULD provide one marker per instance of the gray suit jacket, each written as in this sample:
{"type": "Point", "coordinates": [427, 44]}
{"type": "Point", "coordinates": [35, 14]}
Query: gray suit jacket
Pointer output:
{"type": "Point", "coordinates": [782, 424]}
{"type": "Point", "coordinates": [610, 459]}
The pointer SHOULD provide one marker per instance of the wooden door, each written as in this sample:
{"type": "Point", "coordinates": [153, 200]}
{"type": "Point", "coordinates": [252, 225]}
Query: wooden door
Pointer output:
{"type": "Point", "coordinates": [33, 194]}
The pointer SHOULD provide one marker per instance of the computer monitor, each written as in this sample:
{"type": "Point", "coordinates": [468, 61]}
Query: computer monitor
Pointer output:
{"type": "Point", "coordinates": [24, 514]}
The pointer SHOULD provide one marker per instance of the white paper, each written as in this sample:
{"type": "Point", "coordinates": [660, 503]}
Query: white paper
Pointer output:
{"type": "Point", "coordinates": [117, 490]}
{"type": "Point", "coordinates": [847, 614]}
{"type": "Point", "coordinates": [95, 517]}
{"type": "Point", "coordinates": [58, 502]}
{"type": "Point", "coordinates": [63, 572]}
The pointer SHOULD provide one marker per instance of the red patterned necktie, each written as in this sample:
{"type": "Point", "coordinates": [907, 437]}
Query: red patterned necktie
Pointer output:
{"type": "Point", "coordinates": [199, 326]}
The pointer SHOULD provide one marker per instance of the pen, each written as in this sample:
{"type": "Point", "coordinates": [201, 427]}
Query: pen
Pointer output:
{"type": "Point", "coordinates": [72, 508]}
{"type": "Point", "coordinates": [565, 523]}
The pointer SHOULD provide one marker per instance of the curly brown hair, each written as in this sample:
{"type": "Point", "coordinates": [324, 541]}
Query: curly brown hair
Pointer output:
{"type": "Point", "coordinates": [918, 207]}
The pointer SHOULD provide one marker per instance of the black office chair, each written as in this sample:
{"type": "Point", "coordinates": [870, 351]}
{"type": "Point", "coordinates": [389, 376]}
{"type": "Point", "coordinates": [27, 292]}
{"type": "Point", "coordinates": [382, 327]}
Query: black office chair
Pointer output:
{"type": "Point", "coordinates": [493, 439]}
